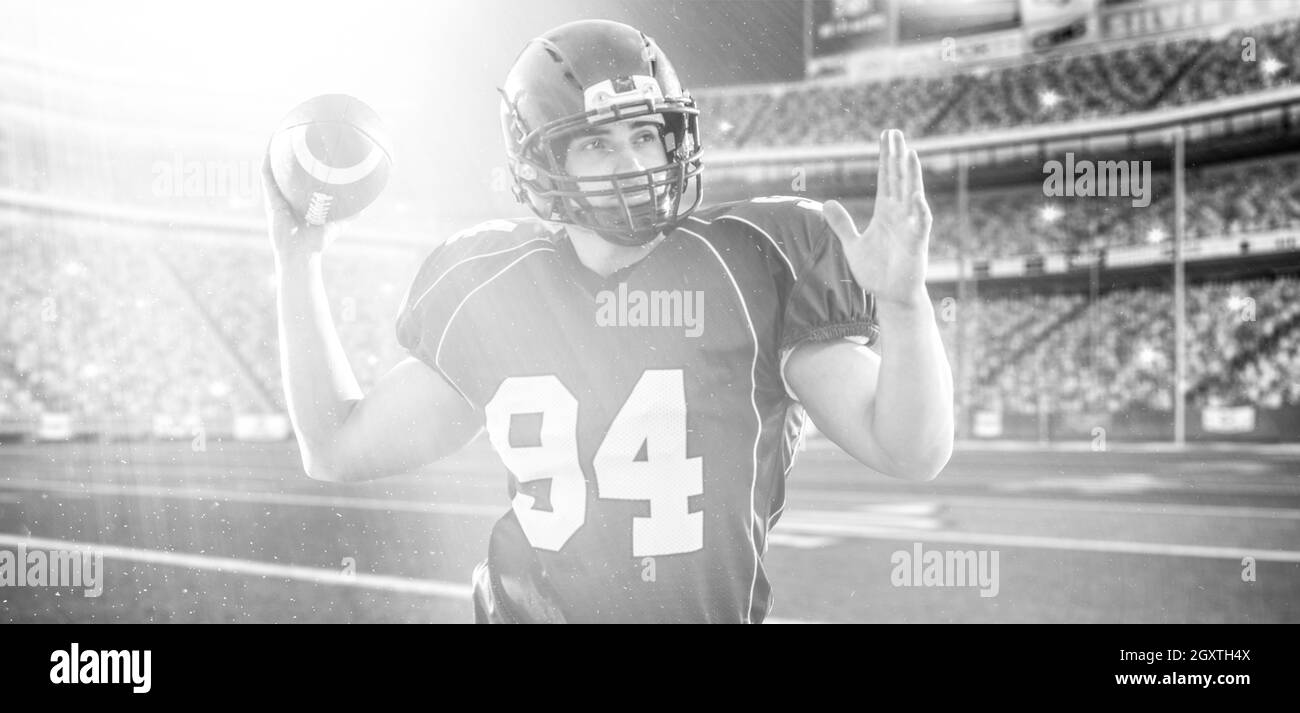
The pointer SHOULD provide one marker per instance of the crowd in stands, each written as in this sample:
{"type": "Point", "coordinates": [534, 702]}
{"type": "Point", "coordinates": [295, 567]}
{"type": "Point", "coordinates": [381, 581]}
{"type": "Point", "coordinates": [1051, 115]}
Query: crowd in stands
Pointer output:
{"type": "Point", "coordinates": [149, 321]}
{"type": "Point", "coordinates": [1264, 333]}
{"type": "Point", "coordinates": [98, 329]}
{"type": "Point", "coordinates": [135, 327]}
{"type": "Point", "coordinates": [364, 287]}
{"type": "Point", "coordinates": [127, 327]}
{"type": "Point", "coordinates": [1223, 200]}
{"type": "Point", "coordinates": [1270, 380]}
{"type": "Point", "coordinates": [1105, 83]}
{"type": "Point", "coordinates": [1063, 354]}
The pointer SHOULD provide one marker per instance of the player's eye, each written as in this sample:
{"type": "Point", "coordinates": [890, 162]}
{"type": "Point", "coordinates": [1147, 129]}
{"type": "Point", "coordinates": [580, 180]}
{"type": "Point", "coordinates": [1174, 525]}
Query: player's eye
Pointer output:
{"type": "Point", "coordinates": [646, 136]}
{"type": "Point", "coordinates": [593, 144]}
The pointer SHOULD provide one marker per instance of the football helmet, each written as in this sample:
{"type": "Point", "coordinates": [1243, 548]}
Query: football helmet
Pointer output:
{"type": "Point", "coordinates": [587, 74]}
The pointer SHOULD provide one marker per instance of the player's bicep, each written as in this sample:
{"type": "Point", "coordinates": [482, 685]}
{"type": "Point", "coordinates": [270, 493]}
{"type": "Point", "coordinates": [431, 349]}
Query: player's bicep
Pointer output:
{"type": "Point", "coordinates": [412, 417]}
{"type": "Point", "coordinates": [836, 383]}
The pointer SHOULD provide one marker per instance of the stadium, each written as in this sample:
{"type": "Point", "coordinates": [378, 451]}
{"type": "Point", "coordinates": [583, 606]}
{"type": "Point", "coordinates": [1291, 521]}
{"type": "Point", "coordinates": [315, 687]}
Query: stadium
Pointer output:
{"type": "Point", "coordinates": [1125, 341]}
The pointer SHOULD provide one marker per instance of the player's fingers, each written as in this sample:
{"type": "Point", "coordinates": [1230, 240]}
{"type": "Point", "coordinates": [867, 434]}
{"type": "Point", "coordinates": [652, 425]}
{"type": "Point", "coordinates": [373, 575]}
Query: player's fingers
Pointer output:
{"type": "Point", "coordinates": [914, 182]}
{"type": "Point", "coordinates": [897, 157]}
{"type": "Point", "coordinates": [884, 188]}
{"type": "Point", "coordinates": [839, 220]}
{"type": "Point", "coordinates": [921, 210]}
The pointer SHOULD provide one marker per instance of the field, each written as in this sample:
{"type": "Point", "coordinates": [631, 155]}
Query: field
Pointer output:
{"type": "Point", "coordinates": [236, 533]}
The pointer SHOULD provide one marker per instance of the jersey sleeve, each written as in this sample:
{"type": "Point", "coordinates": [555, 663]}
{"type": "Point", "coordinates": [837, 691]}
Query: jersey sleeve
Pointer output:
{"type": "Point", "coordinates": [442, 284]}
{"type": "Point", "coordinates": [821, 300]}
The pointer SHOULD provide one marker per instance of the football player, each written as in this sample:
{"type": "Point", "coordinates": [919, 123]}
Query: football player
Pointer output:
{"type": "Point", "coordinates": [642, 364]}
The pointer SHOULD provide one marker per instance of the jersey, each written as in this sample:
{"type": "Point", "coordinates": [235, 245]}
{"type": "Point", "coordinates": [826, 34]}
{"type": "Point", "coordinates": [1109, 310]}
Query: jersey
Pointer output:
{"type": "Point", "coordinates": [643, 419]}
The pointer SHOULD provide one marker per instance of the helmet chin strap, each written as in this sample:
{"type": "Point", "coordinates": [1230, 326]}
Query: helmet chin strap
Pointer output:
{"type": "Point", "coordinates": [621, 239]}
{"type": "Point", "coordinates": [598, 220]}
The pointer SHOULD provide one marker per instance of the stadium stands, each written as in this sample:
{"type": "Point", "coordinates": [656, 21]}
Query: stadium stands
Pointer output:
{"type": "Point", "coordinates": [364, 288]}
{"type": "Point", "coordinates": [141, 321]}
{"type": "Point", "coordinates": [1223, 200]}
{"type": "Point", "coordinates": [97, 328]}
{"type": "Point", "coordinates": [122, 328]}
{"type": "Point", "coordinates": [1116, 354]}
{"type": "Point", "coordinates": [1110, 82]}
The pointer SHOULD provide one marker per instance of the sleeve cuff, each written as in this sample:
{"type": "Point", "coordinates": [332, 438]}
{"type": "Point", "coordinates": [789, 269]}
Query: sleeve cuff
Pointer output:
{"type": "Point", "coordinates": [825, 333]}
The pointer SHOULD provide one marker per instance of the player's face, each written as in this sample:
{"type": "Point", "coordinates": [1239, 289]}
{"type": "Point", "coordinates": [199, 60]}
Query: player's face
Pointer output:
{"type": "Point", "coordinates": [621, 147]}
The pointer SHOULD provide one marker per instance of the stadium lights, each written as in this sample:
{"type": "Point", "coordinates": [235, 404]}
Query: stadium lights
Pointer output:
{"type": "Point", "coordinates": [1049, 99]}
{"type": "Point", "coordinates": [1156, 235]}
{"type": "Point", "coordinates": [1271, 66]}
{"type": "Point", "coordinates": [1050, 213]}
{"type": "Point", "coordinates": [726, 127]}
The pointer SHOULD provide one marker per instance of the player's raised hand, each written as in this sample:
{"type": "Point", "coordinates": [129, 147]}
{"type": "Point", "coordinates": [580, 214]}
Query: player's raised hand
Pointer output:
{"type": "Point", "coordinates": [289, 234]}
{"type": "Point", "coordinates": [889, 257]}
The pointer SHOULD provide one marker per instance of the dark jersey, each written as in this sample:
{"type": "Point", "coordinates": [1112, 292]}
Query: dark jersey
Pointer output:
{"type": "Point", "coordinates": [642, 418]}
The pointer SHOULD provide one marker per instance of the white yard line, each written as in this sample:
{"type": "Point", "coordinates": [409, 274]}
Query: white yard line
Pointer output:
{"type": "Point", "coordinates": [994, 502]}
{"type": "Point", "coordinates": [258, 497]}
{"type": "Point", "coordinates": [841, 497]}
{"type": "Point", "coordinates": [804, 522]}
{"type": "Point", "coordinates": [232, 565]}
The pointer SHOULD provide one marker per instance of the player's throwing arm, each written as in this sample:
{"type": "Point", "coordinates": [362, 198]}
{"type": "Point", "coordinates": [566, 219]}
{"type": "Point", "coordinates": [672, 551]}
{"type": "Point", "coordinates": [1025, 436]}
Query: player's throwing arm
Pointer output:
{"type": "Point", "coordinates": [412, 416]}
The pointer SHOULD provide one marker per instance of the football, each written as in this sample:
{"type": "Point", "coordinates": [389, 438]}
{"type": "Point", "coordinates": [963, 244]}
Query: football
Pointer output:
{"type": "Point", "coordinates": [331, 157]}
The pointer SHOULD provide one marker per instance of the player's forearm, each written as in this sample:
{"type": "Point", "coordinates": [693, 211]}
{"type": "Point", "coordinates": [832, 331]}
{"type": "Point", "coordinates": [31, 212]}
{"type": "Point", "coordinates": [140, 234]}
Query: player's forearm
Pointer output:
{"type": "Point", "coordinates": [913, 416]}
{"type": "Point", "coordinates": [320, 388]}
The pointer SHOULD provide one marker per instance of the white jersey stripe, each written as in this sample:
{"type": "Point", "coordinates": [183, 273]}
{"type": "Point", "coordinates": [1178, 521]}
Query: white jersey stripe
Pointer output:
{"type": "Point", "coordinates": [437, 354]}
{"type": "Point", "coordinates": [468, 259]}
{"type": "Point", "coordinates": [765, 234]}
{"type": "Point", "coordinates": [758, 418]}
